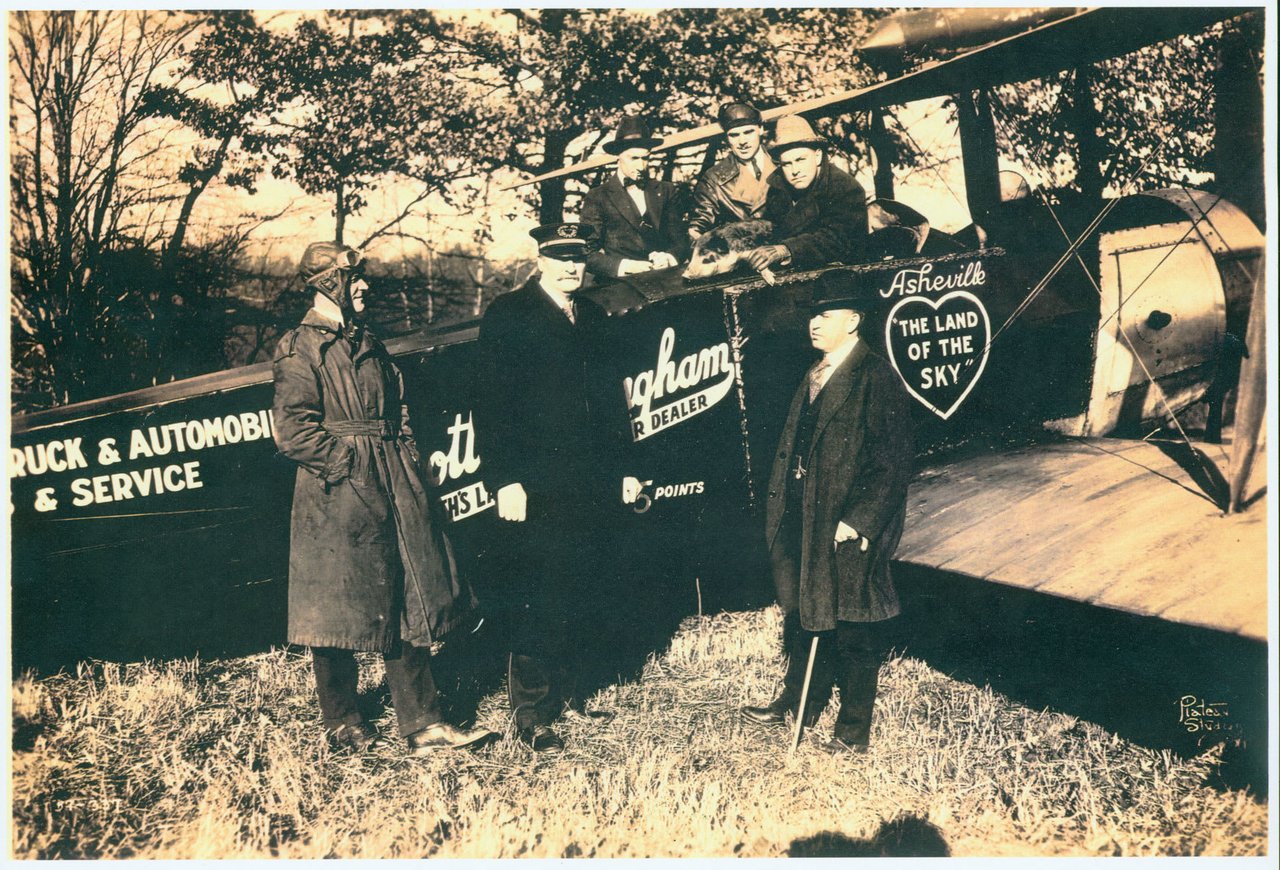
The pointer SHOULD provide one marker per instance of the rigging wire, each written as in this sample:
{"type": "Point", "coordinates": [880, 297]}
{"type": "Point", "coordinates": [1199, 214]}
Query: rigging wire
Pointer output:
{"type": "Point", "coordinates": [934, 166]}
{"type": "Point", "coordinates": [1073, 250]}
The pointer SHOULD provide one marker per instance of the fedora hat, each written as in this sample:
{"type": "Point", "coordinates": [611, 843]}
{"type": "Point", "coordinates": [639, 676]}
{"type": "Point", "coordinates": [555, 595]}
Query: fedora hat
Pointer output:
{"type": "Point", "coordinates": [633, 132]}
{"type": "Point", "coordinates": [841, 288]}
{"type": "Point", "coordinates": [794, 131]}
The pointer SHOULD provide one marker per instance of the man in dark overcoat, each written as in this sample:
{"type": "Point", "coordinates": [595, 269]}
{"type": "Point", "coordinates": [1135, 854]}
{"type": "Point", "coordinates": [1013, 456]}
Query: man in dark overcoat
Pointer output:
{"type": "Point", "coordinates": [818, 211]}
{"type": "Point", "coordinates": [640, 220]}
{"type": "Point", "coordinates": [736, 186]}
{"type": "Point", "coordinates": [548, 457]}
{"type": "Point", "coordinates": [368, 570]}
{"type": "Point", "coordinates": [837, 501]}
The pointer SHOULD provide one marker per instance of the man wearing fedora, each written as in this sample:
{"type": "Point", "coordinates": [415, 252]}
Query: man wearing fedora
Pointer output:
{"type": "Point", "coordinates": [735, 187]}
{"type": "Point", "coordinates": [547, 455]}
{"type": "Point", "coordinates": [836, 506]}
{"type": "Point", "coordinates": [640, 220]}
{"type": "Point", "coordinates": [819, 212]}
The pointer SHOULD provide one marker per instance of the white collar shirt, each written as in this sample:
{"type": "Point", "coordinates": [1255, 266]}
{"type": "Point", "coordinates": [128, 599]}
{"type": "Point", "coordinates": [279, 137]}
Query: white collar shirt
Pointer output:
{"type": "Point", "coordinates": [563, 301]}
{"type": "Point", "coordinates": [636, 194]}
{"type": "Point", "coordinates": [759, 162]}
{"type": "Point", "coordinates": [833, 360]}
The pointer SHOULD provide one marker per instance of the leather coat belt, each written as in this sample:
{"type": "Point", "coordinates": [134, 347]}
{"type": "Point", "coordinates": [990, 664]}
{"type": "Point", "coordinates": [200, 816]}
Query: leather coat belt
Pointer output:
{"type": "Point", "coordinates": [386, 429]}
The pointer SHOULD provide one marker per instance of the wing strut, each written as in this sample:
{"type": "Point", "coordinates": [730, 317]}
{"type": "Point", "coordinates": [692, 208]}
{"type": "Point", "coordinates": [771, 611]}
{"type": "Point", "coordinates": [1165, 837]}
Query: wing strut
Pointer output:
{"type": "Point", "coordinates": [1251, 400]}
{"type": "Point", "coordinates": [1243, 454]}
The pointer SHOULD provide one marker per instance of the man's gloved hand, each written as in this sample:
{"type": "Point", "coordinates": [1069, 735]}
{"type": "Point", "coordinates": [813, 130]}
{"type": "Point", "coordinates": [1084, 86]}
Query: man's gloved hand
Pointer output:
{"type": "Point", "coordinates": [764, 257]}
{"type": "Point", "coordinates": [633, 267]}
{"type": "Point", "coordinates": [630, 490]}
{"type": "Point", "coordinates": [846, 532]}
{"type": "Point", "coordinates": [662, 260]}
{"type": "Point", "coordinates": [512, 503]}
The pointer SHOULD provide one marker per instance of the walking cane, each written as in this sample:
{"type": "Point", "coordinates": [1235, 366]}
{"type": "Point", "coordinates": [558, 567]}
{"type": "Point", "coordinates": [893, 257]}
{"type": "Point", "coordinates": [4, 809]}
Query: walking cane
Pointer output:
{"type": "Point", "coordinates": [804, 693]}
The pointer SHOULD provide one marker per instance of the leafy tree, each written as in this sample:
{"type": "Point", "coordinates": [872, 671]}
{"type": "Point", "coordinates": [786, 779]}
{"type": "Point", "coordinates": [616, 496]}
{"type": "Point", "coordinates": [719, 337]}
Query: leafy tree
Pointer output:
{"type": "Point", "coordinates": [565, 76]}
{"type": "Point", "coordinates": [230, 147]}
{"type": "Point", "coordinates": [1094, 128]}
{"type": "Point", "coordinates": [344, 101]}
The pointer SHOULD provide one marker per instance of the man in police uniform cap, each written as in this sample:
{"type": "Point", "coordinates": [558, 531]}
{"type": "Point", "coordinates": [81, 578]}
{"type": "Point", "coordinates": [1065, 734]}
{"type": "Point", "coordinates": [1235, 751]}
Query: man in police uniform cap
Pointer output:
{"type": "Point", "coordinates": [736, 186]}
{"type": "Point", "coordinates": [368, 569]}
{"type": "Point", "coordinates": [836, 507]}
{"type": "Point", "coordinates": [819, 212]}
{"type": "Point", "coordinates": [640, 219]}
{"type": "Point", "coordinates": [547, 457]}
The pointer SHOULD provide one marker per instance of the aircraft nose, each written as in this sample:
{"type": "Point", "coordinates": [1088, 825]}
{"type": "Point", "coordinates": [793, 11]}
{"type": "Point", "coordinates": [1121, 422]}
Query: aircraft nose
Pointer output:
{"type": "Point", "coordinates": [887, 38]}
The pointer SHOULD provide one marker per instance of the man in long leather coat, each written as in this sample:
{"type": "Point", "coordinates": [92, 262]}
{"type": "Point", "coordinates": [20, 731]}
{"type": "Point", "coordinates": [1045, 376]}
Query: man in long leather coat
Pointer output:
{"type": "Point", "coordinates": [736, 186]}
{"type": "Point", "coordinates": [368, 570]}
{"type": "Point", "coordinates": [835, 513]}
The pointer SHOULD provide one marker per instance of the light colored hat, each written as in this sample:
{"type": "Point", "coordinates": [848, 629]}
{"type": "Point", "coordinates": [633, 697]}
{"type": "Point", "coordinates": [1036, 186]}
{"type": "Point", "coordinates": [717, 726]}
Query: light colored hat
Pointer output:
{"type": "Point", "coordinates": [794, 131]}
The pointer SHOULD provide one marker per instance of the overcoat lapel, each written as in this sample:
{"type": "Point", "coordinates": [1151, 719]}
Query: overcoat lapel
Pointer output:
{"type": "Point", "coordinates": [836, 391]}
{"type": "Point", "coordinates": [547, 309]}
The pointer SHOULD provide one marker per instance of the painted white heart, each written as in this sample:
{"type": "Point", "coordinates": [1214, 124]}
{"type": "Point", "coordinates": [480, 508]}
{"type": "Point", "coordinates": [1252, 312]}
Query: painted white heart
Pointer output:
{"type": "Point", "coordinates": [949, 382]}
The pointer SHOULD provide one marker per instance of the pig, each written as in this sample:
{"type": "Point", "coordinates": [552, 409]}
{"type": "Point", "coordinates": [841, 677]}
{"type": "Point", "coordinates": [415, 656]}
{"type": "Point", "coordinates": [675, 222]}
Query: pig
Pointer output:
{"type": "Point", "coordinates": [718, 251]}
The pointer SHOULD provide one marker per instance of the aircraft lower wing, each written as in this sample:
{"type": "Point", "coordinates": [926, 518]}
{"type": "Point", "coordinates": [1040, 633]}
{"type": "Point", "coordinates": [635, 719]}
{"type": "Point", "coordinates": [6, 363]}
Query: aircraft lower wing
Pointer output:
{"type": "Point", "coordinates": [1117, 523]}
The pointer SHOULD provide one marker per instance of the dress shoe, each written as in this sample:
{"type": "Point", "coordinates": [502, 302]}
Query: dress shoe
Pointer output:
{"type": "Point", "coordinates": [775, 713]}
{"type": "Point", "coordinates": [442, 735]}
{"type": "Point", "coordinates": [589, 717]}
{"type": "Point", "coordinates": [540, 738]}
{"type": "Point", "coordinates": [836, 746]}
{"type": "Point", "coordinates": [359, 737]}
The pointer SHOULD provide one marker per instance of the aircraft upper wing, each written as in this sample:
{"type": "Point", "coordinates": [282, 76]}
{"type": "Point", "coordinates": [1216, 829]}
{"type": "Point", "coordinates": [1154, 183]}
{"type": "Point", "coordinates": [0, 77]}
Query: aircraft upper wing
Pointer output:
{"type": "Point", "coordinates": [1085, 37]}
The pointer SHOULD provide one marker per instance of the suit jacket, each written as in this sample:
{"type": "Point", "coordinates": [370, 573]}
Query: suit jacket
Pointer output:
{"type": "Point", "coordinates": [535, 421]}
{"type": "Point", "coordinates": [625, 234]}
{"type": "Point", "coordinates": [824, 223]}
{"type": "Point", "coordinates": [718, 198]}
{"type": "Point", "coordinates": [859, 464]}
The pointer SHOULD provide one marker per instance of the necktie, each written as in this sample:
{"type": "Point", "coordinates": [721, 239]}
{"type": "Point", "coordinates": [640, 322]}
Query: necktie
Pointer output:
{"type": "Point", "coordinates": [635, 189]}
{"type": "Point", "coordinates": [568, 312]}
{"type": "Point", "coordinates": [817, 379]}
{"type": "Point", "coordinates": [755, 167]}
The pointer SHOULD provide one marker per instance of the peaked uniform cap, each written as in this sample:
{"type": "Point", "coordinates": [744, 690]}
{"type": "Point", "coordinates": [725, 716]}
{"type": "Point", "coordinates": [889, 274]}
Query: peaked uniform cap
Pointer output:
{"type": "Point", "coordinates": [633, 132]}
{"type": "Point", "coordinates": [564, 241]}
{"type": "Point", "coordinates": [794, 131]}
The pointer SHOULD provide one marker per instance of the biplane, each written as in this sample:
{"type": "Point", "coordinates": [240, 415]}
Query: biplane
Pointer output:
{"type": "Point", "coordinates": [1040, 349]}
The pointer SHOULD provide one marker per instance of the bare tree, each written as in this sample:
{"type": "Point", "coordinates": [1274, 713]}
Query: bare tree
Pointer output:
{"type": "Point", "coordinates": [86, 180]}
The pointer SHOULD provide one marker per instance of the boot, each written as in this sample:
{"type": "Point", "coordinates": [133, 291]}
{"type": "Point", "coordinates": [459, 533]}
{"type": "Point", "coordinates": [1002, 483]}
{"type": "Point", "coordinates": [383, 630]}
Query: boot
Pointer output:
{"type": "Point", "coordinates": [795, 642]}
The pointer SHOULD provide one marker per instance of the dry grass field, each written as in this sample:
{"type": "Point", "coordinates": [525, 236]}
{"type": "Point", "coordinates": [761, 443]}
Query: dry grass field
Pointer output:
{"type": "Point", "coordinates": [193, 759]}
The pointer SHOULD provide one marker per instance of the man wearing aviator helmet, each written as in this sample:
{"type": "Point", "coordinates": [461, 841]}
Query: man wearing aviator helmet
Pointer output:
{"type": "Point", "coordinates": [367, 568]}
